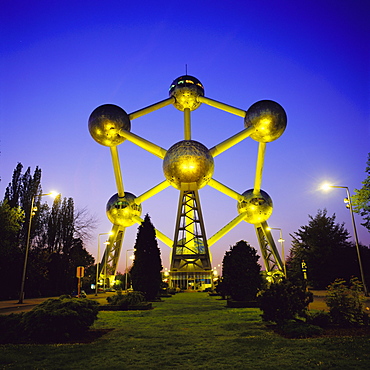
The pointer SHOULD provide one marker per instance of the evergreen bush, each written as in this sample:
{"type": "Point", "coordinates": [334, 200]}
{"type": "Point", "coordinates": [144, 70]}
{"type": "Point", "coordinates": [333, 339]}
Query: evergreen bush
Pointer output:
{"type": "Point", "coordinates": [319, 318]}
{"type": "Point", "coordinates": [294, 329]}
{"type": "Point", "coordinates": [10, 328]}
{"type": "Point", "coordinates": [345, 302]}
{"type": "Point", "coordinates": [59, 319]}
{"type": "Point", "coordinates": [126, 300]}
{"type": "Point", "coordinates": [284, 301]}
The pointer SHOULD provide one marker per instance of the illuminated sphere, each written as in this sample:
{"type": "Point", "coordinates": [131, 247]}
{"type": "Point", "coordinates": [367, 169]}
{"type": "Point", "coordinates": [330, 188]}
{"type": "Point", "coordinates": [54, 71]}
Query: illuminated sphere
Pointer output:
{"type": "Point", "coordinates": [258, 207]}
{"type": "Point", "coordinates": [105, 123]}
{"type": "Point", "coordinates": [185, 90]}
{"type": "Point", "coordinates": [188, 162]}
{"type": "Point", "coordinates": [269, 119]}
{"type": "Point", "coordinates": [120, 211]}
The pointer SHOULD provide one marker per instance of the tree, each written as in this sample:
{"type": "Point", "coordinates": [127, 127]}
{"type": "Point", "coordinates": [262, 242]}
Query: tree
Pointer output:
{"type": "Point", "coordinates": [147, 266]}
{"type": "Point", "coordinates": [323, 246]}
{"type": "Point", "coordinates": [361, 199]}
{"type": "Point", "coordinates": [11, 256]}
{"type": "Point", "coordinates": [19, 193]}
{"type": "Point", "coordinates": [56, 238]}
{"type": "Point", "coordinates": [241, 273]}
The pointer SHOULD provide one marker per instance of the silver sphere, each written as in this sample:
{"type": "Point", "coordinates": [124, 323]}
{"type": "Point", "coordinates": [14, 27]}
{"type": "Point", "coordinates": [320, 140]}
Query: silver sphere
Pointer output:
{"type": "Point", "coordinates": [269, 119]}
{"type": "Point", "coordinates": [105, 123]}
{"type": "Point", "coordinates": [185, 90]}
{"type": "Point", "coordinates": [188, 164]}
{"type": "Point", "coordinates": [258, 208]}
{"type": "Point", "coordinates": [120, 211]}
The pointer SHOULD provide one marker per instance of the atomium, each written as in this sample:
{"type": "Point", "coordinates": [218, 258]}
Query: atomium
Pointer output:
{"type": "Point", "coordinates": [188, 163]}
{"type": "Point", "coordinates": [257, 208]}
{"type": "Point", "coordinates": [106, 122]}
{"type": "Point", "coordinates": [188, 166]}
{"type": "Point", "coordinates": [269, 120]}
{"type": "Point", "coordinates": [186, 91]}
{"type": "Point", "coordinates": [122, 210]}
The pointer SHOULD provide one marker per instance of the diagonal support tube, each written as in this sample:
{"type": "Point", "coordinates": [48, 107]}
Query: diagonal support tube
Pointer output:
{"type": "Point", "coordinates": [143, 143]}
{"type": "Point", "coordinates": [151, 192]}
{"type": "Point", "coordinates": [117, 171]}
{"type": "Point", "coordinates": [216, 237]}
{"type": "Point", "coordinates": [231, 141]}
{"type": "Point", "coordinates": [151, 108]}
{"type": "Point", "coordinates": [222, 106]}
{"type": "Point", "coordinates": [225, 190]}
{"type": "Point", "coordinates": [163, 238]}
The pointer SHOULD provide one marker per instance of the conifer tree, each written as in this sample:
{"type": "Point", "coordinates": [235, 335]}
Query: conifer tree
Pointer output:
{"type": "Point", "coordinates": [323, 246]}
{"type": "Point", "coordinates": [241, 272]}
{"type": "Point", "coordinates": [147, 266]}
{"type": "Point", "coordinates": [361, 199]}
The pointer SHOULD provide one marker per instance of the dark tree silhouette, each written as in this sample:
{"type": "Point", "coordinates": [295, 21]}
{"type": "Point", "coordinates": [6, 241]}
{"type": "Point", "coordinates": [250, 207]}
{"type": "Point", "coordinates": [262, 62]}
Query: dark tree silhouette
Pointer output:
{"type": "Point", "coordinates": [147, 266]}
{"type": "Point", "coordinates": [361, 199]}
{"type": "Point", "coordinates": [323, 245]}
{"type": "Point", "coordinates": [241, 273]}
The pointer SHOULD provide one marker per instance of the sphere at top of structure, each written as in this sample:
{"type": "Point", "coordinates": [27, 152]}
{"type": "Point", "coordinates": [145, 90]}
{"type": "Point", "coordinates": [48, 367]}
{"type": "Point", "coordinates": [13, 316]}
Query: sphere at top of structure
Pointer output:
{"type": "Point", "coordinates": [188, 165]}
{"type": "Point", "coordinates": [105, 123]}
{"type": "Point", "coordinates": [258, 208]}
{"type": "Point", "coordinates": [120, 211]}
{"type": "Point", "coordinates": [269, 119]}
{"type": "Point", "coordinates": [185, 90]}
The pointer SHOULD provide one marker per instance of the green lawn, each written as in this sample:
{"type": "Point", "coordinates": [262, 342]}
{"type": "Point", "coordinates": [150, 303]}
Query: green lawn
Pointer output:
{"type": "Point", "coordinates": [190, 331]}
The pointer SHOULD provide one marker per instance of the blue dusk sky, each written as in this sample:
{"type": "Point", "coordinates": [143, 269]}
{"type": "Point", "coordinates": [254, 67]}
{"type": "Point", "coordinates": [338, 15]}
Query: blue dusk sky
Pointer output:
{"type": "Point", "coordinates": [59, 60]}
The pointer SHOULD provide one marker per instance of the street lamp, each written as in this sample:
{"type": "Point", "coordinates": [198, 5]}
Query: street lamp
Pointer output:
{"type": "Point", "coordinates": [97, 263]}
{"type": "Point", "coordinates": [281, 241]}
{"type": "Point", "coordinates": [32, 213]}
{"type": "Point", "coordinates": [349, 205]}
{"type": "Point", "coordinates": [105, 265]}
{"type": "Point", "coordinates": [127, 250]}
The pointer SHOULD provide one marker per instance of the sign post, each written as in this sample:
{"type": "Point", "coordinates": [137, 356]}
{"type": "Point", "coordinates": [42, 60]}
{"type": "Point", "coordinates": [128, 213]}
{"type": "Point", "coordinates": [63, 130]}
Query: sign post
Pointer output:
{"type": "Point", "coordinates": [80, 273]}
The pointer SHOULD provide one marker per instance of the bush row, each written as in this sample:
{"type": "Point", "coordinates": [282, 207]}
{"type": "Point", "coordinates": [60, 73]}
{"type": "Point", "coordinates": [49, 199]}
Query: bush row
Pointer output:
{"type": "Point", "coordinates": [53, 320]}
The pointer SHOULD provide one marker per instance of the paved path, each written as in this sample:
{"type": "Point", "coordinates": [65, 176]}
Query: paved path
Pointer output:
{"type": "Point", "coordinates": [13, 306]}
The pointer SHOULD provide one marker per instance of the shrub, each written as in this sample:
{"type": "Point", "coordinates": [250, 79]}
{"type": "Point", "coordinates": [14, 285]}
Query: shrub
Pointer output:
{"type": "Point", "coordinates": [299, 330]}
{"type": "Point", "coordinates": [284, 301]}
{"type": "Point", "coordinates": [345, 302]}
{"type": "Point", "coordinates": [125, 300]}
{"type": "Point", "coordinates": [59, 319]}
{"type": "Point", "coordinates": [319, 318]}
{"type": "Point", "coordinates": [10, 328]}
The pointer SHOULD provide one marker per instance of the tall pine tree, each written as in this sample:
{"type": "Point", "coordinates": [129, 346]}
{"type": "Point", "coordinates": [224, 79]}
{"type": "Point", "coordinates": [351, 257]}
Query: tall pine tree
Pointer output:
{"type": "Point", "coordinates": [147, 266]}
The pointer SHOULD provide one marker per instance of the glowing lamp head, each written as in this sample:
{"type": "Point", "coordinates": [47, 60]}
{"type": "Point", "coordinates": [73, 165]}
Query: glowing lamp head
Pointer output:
{"type": "Point", "coordinates": [268, 118]}
{"type": "Point", "coordinates": [188, 164]}
{"type": "Point", "coordinates": [257, 208]}
{"type": "Point", "coordinates": [105, 123]}
{"type": "Point", "coordinates": [326, 186]}
{"type": "Point", "coordinates": [185, 90]}
{"type": "Point", "coordinates": [54, 194]}
{"type": "Point", "coordinates": [120, 211]}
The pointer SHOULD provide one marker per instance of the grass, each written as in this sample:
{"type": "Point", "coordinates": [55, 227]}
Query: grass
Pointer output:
{"type": "Point", "coordinates": [191, 331]}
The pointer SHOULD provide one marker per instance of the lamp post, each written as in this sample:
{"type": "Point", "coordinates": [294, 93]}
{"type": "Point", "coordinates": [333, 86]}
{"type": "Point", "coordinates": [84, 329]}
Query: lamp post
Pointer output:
{"type": "Point", "coordinates": [281, 241]}
{"type": "Point", "coordinates": [105, 266]}
{"type": "Point", "coordinates": [127, 250]}
{"type": "Point", "coordinates": [349, 202]}
{"type": "Point", "coordinates": [97, 263]}
{"type": "Point", "coordinates": [32, 213]}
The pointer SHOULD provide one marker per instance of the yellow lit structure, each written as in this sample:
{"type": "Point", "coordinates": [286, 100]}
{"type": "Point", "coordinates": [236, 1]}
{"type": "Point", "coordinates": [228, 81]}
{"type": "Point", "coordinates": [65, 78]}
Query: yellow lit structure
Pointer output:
{"type": "Point", "coordinates": [188, 166]}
